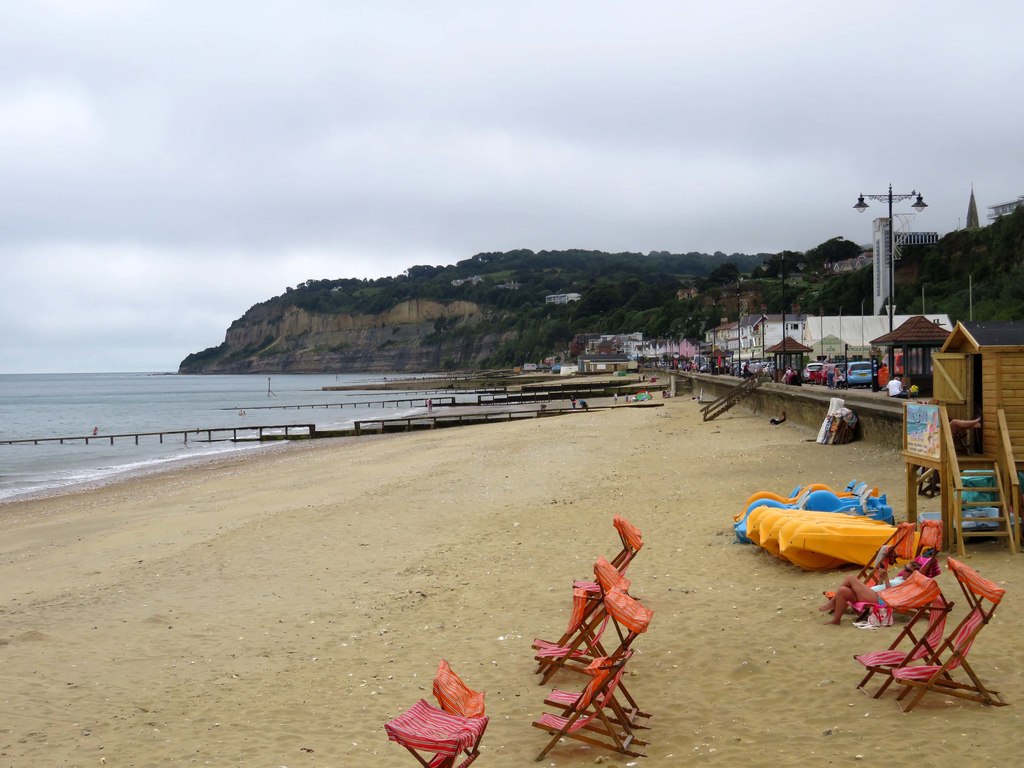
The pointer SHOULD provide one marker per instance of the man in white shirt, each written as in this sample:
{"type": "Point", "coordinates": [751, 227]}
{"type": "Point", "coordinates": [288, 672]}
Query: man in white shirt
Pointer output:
{"type": "Point", "coordinates": [895, 387]}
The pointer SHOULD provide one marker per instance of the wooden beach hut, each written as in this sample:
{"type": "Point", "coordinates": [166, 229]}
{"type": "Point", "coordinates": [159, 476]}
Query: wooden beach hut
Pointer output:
{"type": "Point", "coordinates": [979, 371]}
{"type": "Point", "coordinates": [912, 346]}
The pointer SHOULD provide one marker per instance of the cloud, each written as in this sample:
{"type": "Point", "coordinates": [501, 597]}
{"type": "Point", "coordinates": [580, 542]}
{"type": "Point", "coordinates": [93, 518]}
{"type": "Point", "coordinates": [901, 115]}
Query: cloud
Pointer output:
{"type": "Point", "coordinates": [169, 164]}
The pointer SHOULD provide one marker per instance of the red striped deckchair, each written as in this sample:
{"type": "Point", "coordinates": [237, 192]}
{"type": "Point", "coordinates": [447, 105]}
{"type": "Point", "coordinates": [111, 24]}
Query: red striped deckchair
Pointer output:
{"type": "Point", "coordinates": [630, 619]}
{"type": "Point", "coordinates": [581, 640]}
{"type": "Point", "coordinates": [592, 715]}
{"type": "Point", "coordinates": [628, 715]}
{"type": "Point", "coordinates": [925, 552]}
{"type": "Point", "coordinates": [936, 674]}
{"type": "Point", "coordinates": [632, 543]}
{"type": "Point", "coordinates": [908, 647]}
{"type": "Point", "coordinates": [448, 732]}
{"type": "Point", "coordinates": [888, 553]}
{"type": "Point", "coordinates": [455, 696]}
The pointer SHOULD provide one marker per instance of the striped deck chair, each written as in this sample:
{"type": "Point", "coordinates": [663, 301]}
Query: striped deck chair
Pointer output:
{"type": "Point", "coordinates": [922, 596]}
{"type": "Point", "coordinates": [455, 696]}
{"type": "Point", "coordinates": [628, 717]}
{"type": "Point", "coordinates": [581, 640]}
{"type": "Point", "coordinates": [590, 716]}
{"type": "Point", "coordinates": [889, 552]}
{"type": "Point", "coordinates": [936, 674]}
{"type": "Point", "coordinates": [929, 544]}
{"type": "Point", "coordinates": [922, 549]}
{"type": "Point", "coordinates": [632, 543]}
{"type": "Point", "coordinates": [448, 733]}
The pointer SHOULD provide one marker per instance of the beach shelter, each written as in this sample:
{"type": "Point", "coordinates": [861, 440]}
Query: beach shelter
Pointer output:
{"type": "Point", "coordinates": [788, 353]}
{"type": "Point", "coordinates": [911, 347]}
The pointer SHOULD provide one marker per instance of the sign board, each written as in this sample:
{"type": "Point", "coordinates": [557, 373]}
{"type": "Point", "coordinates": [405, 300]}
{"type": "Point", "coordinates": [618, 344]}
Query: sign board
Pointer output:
{"type": "Point", "coordinates": [921, 430]}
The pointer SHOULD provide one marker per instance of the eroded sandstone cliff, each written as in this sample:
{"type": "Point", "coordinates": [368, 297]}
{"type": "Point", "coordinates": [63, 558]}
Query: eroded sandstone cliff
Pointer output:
{"type": "Point", "coordinates": [415, 335]}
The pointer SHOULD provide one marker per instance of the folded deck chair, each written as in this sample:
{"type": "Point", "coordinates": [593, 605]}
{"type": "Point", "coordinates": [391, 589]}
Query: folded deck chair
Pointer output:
{"type": "Point", "coordinates": [590, 716]}
{"type": "Point", "coordinates": [455, 696]}
{"type": "Point", "coordinates": [632, 543]}
{"type": "Point", "coordinates": [921, 595]}
{"type": "Point", "coordinates": [448, 732]}
{"type": "Point", "coordinates": [628, 714]}
{"type": "Point", "coordinates": [630, 619]}
{"type": "Point", "coordinates": [929, 544]}
{"type": "Point", "coordinates": [581, 640]}
{"type": "Point", "coordinates": [889, 552]}
{"type": "Point", "coordinates": [936, 674]}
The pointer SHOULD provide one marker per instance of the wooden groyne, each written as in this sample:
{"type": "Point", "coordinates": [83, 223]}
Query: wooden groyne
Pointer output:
{"type": "Point", "coordinates": [261, 433]}
{"type": "Point", "coordinates": [410, 423]}
{"type": "Point", "coordinates": [408, 402]}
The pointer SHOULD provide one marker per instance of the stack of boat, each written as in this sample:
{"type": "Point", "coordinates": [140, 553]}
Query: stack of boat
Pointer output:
{"type": "Point", "coordinates": [817, 528]}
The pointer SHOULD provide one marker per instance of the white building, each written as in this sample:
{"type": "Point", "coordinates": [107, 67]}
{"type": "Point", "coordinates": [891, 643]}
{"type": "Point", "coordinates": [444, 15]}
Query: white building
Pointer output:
{"type": "Point", "coordinates": [1002, 209]}
{"type": "Point", "coordinates": [748, 338]}
{"type": "Point", "coordinates": [855, 332]}
{"type": "Point", "coordinates": [880, 255]}
{"type": "Point", "coordinates": [562, 298]}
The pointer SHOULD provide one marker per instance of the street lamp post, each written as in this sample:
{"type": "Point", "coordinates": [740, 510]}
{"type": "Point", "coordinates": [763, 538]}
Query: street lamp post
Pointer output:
{"type": "Point", "coordinates": [783, 358]}
{"type": "Point", "coordinates": [919, 205]}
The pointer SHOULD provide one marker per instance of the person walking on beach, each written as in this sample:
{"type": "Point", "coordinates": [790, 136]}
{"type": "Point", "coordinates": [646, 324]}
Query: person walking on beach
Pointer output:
{"type": "Point", "coordinates": [572, 402]}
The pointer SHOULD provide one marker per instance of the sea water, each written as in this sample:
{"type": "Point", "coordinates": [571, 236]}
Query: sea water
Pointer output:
{"type": "Point", "coordinates": [75, 405]}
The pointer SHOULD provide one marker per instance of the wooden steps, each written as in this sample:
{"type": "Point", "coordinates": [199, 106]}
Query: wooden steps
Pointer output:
{"type": "Point", "coordinates": [717, 407]}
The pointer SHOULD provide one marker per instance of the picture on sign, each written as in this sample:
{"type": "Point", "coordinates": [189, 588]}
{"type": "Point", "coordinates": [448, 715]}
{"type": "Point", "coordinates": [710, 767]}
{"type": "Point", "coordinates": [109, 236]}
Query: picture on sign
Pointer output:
{"type": "Point", "coordinates": [922, 429]}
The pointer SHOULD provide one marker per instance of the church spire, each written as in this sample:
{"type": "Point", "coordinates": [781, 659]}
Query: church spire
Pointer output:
{"type": "Point", "coordinates": [972, 212]}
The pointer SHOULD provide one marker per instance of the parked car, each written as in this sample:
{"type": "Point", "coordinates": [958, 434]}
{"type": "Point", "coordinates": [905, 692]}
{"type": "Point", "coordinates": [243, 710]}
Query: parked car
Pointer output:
{"type": "Point", "coordinates": [858, 374]}
{"type": "Point", "coordinates": [813, 373]}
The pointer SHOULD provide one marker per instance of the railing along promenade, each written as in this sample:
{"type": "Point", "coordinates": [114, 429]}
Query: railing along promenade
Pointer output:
{"type": "Point", "coordinates": [261, 433]}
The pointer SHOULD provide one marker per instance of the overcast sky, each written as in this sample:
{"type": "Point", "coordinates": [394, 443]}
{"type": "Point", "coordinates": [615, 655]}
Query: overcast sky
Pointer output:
{"type": "Point", "coordinates": [166, 165]}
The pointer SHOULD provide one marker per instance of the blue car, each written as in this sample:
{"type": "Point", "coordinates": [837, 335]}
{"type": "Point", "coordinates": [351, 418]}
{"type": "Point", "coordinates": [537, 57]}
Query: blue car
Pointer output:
{"type": "Point", "coordinates": [859, 374]}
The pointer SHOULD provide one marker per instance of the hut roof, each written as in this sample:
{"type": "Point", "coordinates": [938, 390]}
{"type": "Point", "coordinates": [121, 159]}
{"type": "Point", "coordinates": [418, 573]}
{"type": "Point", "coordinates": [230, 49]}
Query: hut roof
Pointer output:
{"type": "Point", "coordinates": [972, 336]}
{"type": "Point", "coordinates": [918, 330]}
{"type": "Point", "coordinates": [996, 334]}
{"type": "Point", "coordinates": [788, 344]}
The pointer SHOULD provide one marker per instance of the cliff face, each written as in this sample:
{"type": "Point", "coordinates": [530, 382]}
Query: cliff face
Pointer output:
{"type": "Point", "coordinates": [414, 336]}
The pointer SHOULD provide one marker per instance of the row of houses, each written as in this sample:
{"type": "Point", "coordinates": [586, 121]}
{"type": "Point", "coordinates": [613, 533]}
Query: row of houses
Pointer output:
{"type": "Point", "coordinates": [828, 336]}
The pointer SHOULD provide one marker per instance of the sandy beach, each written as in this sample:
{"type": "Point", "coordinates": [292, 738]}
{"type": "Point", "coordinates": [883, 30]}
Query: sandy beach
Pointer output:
{"type": "Point", "coordinates": [278, 610]}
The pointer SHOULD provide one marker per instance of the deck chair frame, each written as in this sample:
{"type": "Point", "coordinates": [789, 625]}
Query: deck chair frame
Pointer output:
{"type": "Point", "coordinates": [582, 638]}
{"type": "Point", "coordinates": [452, 730]}
{"type": "Point", "coordinates": [593, 716]}
{"type": "Point", "coordinates": [920, 645]}
{"type": "Point", "coordinates": [935, 675]}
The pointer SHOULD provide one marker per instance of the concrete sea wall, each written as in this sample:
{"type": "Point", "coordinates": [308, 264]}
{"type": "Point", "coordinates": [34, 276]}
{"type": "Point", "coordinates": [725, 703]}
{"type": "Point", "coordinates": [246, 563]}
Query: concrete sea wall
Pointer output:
{"type": "Point", "coordinates": [880, 419]}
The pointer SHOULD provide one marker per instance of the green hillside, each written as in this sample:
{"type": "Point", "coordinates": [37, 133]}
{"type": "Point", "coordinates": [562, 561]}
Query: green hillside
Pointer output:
{"type": "Point", "coordinates": [659, 294]}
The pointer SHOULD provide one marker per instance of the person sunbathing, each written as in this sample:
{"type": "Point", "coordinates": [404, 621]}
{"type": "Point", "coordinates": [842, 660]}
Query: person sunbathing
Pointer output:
{"type": "Point", "coordinates": [853, 590]}
{"type": "Point", "coordinates": [960, 427]}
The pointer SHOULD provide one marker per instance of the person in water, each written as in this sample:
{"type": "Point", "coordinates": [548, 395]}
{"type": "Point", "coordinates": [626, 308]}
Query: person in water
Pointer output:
{"type": "Point", "coordinates": [853, 590]}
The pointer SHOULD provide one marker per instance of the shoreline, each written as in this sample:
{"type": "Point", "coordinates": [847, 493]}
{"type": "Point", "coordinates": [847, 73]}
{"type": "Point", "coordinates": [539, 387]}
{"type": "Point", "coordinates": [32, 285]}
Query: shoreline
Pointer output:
{"type": "Point", "coordinates": [278, 609]}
